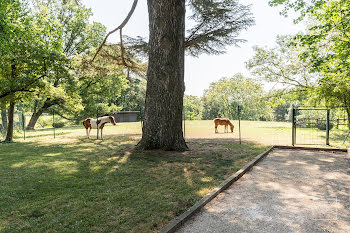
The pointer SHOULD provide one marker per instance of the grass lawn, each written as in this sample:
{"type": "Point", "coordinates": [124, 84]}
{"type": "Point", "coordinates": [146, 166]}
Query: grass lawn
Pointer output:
{"type": "Point", "coordinates": [74, 184]}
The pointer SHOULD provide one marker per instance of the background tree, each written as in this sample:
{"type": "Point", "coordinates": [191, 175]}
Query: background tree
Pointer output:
{"type": "Point", "coordinates": [327, 44]}
{"type": "Point", "coordinates": [282, 65]}
{"type": "Point", "coordinates": [76, 36]}
{"type": "Point", "coordinates": [192, 107]}
{"type": "Point", "coordinates": [101, 84]}
{"type": "Point", "coordinates": [24, 57]}
{"type": "Point", "coordinates": [223, 97]}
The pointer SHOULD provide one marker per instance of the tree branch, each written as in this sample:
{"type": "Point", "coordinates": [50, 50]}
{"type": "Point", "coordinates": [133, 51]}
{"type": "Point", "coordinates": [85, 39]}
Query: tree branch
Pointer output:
{"type": "Point", "coordinates": [120, 27]}
{"type": "Point", "coordinates": [22, 89]}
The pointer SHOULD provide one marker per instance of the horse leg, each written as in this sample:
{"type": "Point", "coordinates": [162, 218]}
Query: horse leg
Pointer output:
{"type": "Point", "coordinates": [87, 133]}
{"type": "Point", "coordinates": [216, 129]}
{"type": "Point", "coordinates": [101, 133]}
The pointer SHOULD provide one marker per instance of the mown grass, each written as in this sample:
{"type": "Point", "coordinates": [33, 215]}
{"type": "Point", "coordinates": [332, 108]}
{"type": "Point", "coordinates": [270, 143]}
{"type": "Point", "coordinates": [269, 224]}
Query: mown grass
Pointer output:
{"type": "Point", "coordinates": [72, 184]}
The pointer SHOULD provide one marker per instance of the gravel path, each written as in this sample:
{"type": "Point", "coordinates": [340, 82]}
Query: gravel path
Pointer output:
{"type": "Point", "coordinates": [288, 191]}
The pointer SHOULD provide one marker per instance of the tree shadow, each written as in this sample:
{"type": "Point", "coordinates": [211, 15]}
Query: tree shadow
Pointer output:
{"type": "Point", "coordinates": [105, 185]}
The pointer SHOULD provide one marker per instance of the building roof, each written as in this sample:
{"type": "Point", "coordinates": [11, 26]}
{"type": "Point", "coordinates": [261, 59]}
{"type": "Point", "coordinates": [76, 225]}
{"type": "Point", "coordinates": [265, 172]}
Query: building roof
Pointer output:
{"type": "Point", "coordinates": [127, 112]}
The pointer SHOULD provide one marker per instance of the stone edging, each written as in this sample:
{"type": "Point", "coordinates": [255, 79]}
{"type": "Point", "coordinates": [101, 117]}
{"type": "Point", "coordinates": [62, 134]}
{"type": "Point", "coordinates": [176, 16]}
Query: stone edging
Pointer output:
{"type": "Point", "coordinates": [178, 221]}
{"type": "Point", "coordinates": [310, 148]}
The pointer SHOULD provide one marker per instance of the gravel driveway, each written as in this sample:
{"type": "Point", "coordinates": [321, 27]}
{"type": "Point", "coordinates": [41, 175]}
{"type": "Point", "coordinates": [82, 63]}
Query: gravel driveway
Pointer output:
{"type": "Point", "coordinates": [288, 191]}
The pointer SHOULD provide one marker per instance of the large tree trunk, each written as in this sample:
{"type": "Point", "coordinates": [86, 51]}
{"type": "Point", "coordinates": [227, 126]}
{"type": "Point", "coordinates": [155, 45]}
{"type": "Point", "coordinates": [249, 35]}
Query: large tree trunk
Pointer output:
{"type": "Point", "coordinates": [9, 134]}
{"type": "Point", "coordinates": [4, 117]}
{"type": "Point", "coordinates": [162, 127]}
{"type": "Point", "coordinates": [36, 114]}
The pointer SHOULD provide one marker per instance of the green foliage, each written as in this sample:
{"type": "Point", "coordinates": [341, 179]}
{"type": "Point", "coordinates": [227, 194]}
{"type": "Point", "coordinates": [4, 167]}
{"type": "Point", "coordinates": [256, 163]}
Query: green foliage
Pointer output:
{"type": "Point", "coordinates": [302, 6]}
{"type": "Point", "coordinates": [44, 122]}
{"type": "Point", "coordinates": [282, 65]}
{"type": "Point", "coordinates": [77, 36]}
{"type": "Point", "coordinates": [58, 124]}
{"type": "Point", "coordinates": [223, 97]}
{"type": "Point", "coordinates": [323, 126]}
{"type": "Point", "coordinates": [212, 25]}
{"type": "Point", "coordinates": [133, 98]}
{"type": "Point", "coordinates": [101, 84]}
{"type": "Point", "coordinates": [327, 45]}
{"type": "Point", "coordinates": [26, 53]}
{"type": "Point", "coordinates": [217, 24]}
{"type": "Point", "coordinates": [192, 107]}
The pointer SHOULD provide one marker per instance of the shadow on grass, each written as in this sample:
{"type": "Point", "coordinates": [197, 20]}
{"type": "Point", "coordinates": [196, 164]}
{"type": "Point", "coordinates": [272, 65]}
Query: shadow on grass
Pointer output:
{"type": "Point", "coordinates": [104, 185]}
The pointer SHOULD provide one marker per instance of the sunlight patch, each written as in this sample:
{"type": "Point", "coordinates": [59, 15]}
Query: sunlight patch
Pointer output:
{"type": "Point", "coordinates": [125, 157]}
{"type": "Point", "coordinates": [207, 179]}
{"type": "Point", "coordinates": [96, 168]}
{"type": "Point", "coordinates": [203, 192]}
{"type": "Point", "coordinates": [187, 175]}
{"type": "Point", "coordinates": [52, 154]}
{"type": "Point", "coordinates": [17, 165]}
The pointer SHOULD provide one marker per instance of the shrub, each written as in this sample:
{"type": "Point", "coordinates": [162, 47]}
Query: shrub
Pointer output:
{"type": "Point", "coordinates": [44, 122]}
{"type": "Point", "coordinates": [58, 125]}
{"type": "Point", "coordinates": [323, 126]}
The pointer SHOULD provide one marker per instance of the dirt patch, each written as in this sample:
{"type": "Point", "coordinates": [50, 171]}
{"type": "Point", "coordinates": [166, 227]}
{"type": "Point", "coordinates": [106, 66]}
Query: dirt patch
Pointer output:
{"type": "Point", "coordinates": [289, 191]}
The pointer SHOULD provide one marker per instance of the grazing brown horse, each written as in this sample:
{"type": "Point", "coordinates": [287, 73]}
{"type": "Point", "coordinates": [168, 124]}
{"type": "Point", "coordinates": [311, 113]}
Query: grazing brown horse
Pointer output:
{"type": "Point", "coordinates": [90, 123]}
{"type": "Point", "coordinates": [223, 121]}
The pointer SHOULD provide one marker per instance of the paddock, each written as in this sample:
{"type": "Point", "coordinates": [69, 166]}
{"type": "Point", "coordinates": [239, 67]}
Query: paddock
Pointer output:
{"type": "Point", "coordinates": [261, 132]}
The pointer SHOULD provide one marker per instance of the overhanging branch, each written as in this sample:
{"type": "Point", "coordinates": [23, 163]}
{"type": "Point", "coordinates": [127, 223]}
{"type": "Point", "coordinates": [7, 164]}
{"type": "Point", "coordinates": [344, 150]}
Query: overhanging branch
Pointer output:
{"type": "Point", "coordinates": [120, 27]}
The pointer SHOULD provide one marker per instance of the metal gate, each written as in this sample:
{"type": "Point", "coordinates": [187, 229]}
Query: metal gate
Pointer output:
{"type": "Point", "coordinates": [310, 126]}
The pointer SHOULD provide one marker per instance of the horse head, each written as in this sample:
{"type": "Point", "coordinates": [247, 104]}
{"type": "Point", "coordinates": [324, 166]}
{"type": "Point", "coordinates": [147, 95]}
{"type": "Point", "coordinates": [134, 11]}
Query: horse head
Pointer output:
{"type": "Point", "coordinates": [111, 119]}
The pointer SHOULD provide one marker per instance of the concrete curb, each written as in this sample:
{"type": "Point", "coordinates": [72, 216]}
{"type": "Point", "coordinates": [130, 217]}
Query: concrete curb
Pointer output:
{"type": "Point", "coordinates": [310, 148]}
{"type": "Point", "coordinates": [178, 221]}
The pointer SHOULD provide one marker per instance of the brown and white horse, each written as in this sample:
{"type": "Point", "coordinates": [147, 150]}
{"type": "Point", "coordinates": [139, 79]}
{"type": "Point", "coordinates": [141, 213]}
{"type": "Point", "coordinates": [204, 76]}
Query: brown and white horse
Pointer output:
{"type": "Point", "coordinates": [91, 123]}
{"type": "Point", "coordinates": [223, 121]}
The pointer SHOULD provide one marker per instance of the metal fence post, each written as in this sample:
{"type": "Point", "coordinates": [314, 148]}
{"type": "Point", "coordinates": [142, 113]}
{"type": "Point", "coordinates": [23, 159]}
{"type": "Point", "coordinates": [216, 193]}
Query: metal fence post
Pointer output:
{"type": "Point", "coordinates": [327, 128]}
{"type": "Point", "coordinates": [24, 126]}
{"type": "Point", "coordinates": [293, 127]}
{"type": "Point", "coordinates": [53, 123]}
{"type": "Point", "coordinates": [141, 118]}
{"type": "Point", "coordinates": [184, 114]}
{"type": "Point", "coordinates": [239, 124]}
{"type": "Point", "coordinates": [97, 122]}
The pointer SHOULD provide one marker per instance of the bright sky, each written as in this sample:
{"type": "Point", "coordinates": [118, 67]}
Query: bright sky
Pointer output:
{"type": "Point", "coordinates": [201, 71]}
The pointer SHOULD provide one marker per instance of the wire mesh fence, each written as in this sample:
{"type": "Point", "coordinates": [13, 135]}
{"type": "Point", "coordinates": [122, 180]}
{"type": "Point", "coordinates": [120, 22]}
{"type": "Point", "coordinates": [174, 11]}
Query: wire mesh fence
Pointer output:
{"type": "Point", "coordinates": [49, 125]}
{"type": "Point", "coordinates": [310, 130]}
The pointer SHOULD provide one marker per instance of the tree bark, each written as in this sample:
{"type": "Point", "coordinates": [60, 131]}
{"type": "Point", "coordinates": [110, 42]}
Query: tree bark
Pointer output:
{"type": "Point", "coordinates": [162, 127]}
{"type": "Point", "coordinates": [36, 114]}
{"type": "Point", "coordinates": [4, 117]}
{"type": "Point", "coordinates": [9, 134]}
